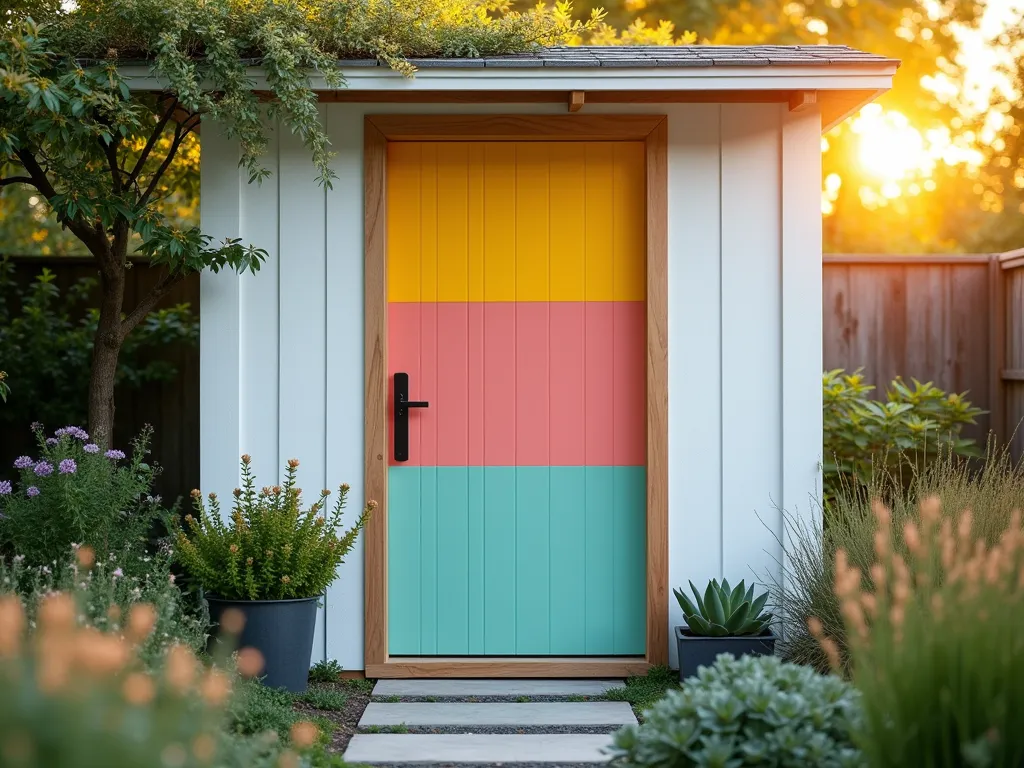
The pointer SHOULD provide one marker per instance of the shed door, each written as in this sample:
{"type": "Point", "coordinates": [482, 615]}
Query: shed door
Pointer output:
{"type": "Point", "coordinates": [516, 524]}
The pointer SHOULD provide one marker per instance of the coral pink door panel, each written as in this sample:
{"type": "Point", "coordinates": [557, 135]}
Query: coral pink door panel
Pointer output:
{"type": "Point", "coordinates": [516, 307]}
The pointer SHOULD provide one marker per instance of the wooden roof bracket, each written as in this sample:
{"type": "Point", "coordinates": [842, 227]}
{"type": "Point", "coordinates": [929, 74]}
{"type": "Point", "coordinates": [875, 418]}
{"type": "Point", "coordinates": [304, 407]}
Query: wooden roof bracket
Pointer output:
{"type": "Point", "coordinates": [801, 100]}
{"type": "Point", "coordinates": [576, 99]}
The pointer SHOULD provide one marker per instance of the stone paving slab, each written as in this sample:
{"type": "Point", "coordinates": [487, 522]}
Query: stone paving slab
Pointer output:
{"type": "Point", "coordinates": [564, 749]}
{"type": "Point", "coordinates": [465, 688]}
{"type": "Point", "coordinates": [562, 713]}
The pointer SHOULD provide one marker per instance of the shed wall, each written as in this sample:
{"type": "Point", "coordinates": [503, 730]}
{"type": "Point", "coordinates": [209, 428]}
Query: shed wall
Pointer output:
{"type": "Point", "coordinates": [282, 352]}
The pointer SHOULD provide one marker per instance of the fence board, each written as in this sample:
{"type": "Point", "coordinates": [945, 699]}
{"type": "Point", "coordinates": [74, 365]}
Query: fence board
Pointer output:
{"type": "Point", "coordinates": [914, 316]}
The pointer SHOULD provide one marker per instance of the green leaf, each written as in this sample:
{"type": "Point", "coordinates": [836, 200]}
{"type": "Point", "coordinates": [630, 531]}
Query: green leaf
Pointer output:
{"type": "Point", "coordinates": [713, 604]}
{"type": "Point", "coordinates": [700, 602]}
{"type": "Point", "coordinates": [687, 607]}
{"type": "Point", "coordinates": [758, 605]}
{"type": "Point", "coordinates": [738, 618]}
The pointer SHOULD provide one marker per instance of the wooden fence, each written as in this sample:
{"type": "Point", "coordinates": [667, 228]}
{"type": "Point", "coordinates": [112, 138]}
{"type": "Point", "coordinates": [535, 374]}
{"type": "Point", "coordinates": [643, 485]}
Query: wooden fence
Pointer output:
{"type": "Point", "coordinates": [957, 321]}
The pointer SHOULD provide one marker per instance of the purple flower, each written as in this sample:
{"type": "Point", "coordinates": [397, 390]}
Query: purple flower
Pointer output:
{"type": "Point", "coordinates": [61, 432]}
{"type": "Point", "coordinates": [43, 468]}
{"type": "Point", "coordinates": [23, 462]}
{"type": "Point", "coordinates": [5, 488]}
{"type": "Point", "coordinates": [51, 441]}
{"type": "Point", "coordinates": [35, 426]}
{"type": "Point", "coordinates": [32, 491]}
{"type": "Point", "coordinates": [114, 454]}
{"type": "Point", "coordinates": [91, 448]}
{"type": "Point", "coordinates": [75, 432]}
{"type": "Point", "coordinates": [67, 467]}
{"type": "Point", "coordinates": [118, 573]}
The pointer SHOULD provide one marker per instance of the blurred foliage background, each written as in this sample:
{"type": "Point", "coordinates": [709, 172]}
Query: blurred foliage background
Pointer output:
{"type": "Point", "coordinates": [936, 165]}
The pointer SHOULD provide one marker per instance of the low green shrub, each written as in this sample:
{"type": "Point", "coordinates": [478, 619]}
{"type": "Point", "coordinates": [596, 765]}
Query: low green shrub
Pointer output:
{"type": "Point", "coordinates": [272, 549]}
{"type": "Point", "coordinates": [913, 425]}
{"type": "Point", "coordinates": [747, 711]}
{"type": "Point", "coordinates": [73, 492]}
{"type": "Point", "coordinates": [325, 699]}
{"type": "Point", "coordinates": [936, 640]}
{"type": "Point", "coordinates": [992, 491]}
{"type": "Point", "coordinates": [327, 671]}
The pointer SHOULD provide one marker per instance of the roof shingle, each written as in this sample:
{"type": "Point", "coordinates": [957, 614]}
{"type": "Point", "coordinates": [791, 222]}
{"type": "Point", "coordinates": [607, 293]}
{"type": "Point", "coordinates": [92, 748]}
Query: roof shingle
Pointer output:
{"type": "Point", "coordinates": [594, 56]}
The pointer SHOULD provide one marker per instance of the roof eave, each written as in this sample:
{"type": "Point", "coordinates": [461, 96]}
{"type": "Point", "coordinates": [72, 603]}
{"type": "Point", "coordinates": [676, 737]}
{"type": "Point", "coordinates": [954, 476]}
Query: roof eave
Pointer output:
{"type": "Point", "coordinates": [821, 77]}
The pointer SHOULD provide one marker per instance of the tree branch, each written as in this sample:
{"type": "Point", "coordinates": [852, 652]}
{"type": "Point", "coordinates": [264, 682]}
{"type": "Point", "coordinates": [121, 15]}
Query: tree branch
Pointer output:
{"type": "Point", "coordinates": [163, 286]}
{"type": "Point", "coordinates": [152, 140]}
{"type": "Point", "coordinates": [15, 180]}
{"type": "Point", "coordinates": [179, 135]}
{"type": "Point", "coordinates": [110, 150]}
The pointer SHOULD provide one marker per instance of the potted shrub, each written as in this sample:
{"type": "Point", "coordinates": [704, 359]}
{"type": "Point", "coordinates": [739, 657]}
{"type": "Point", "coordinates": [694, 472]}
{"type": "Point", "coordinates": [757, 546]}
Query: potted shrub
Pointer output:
{"type": "Point", "coordinates": [724, 620]}
{"type": "Point", "coordinates": [271, 560]}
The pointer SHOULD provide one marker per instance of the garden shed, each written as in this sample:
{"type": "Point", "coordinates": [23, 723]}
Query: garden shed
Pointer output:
{"type": "Point", "coordinates": [560, 315]}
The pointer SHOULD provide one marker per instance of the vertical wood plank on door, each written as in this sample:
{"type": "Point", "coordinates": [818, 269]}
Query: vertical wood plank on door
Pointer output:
{"type": "Point", "coordinates": [404, 601]}
{"type": "Point", "coordinates": [751, 287]}
{"type": "Point", "coordinates": [568, 222]}
{"type": "Point", "coordinates": [453, 499]}
{"type": "Point", "coordinates": [629, 558]}
{"type": "Point", "coordinates": [567, 426]}
{"type": "Point", "coordinates": [629, 221]}
{"type": "Point", "coordinates": [303, 370]}
{"type": "Point", "coordinates": [532, 384]}
{"type": "Point", "coordinates": [476, 597]}
{"type": "Point", "coordinates": [568, 560]}
{"type": "Point", "coordinates": [600, 548]}
{"type": "Point", "coordinates": [533, 209]}
{"type": "Point", "coordinates": [500, 215]}
{"type": "Point", "coordinates": [533, 561]}
{"type": "Point", "coordinates": [428, 560]}
{"type": "Point", "coordinates": [453, 221]}
{"type": "Point", "coordinates": [599, 235]}
{"type": "Point", "coordinates": [475, 220]}
{"type": "Point", "coordinates": [500, 560]}
{"type": "Point", "coordinates": [428, 222]}
{"type": "Point", "coordinates": [403, 221]}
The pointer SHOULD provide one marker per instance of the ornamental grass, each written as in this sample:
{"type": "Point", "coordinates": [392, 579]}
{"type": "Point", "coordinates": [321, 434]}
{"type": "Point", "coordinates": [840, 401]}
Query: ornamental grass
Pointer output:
{"type": "Point", "coordinates": [935, 632]}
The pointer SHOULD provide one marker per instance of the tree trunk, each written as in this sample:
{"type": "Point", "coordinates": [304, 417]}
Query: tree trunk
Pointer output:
{"type": "Point", "coordinates": [106, 348]}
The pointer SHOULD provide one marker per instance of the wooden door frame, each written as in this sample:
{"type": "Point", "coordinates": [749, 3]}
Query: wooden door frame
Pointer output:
{"type": "Point", "coordinates": [378, 130]}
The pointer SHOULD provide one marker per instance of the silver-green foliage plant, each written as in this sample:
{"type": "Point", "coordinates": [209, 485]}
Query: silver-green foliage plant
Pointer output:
{"type": "Point", "coordinates": [271, 548]}
{"type": "Point", "coordinates": [72, 491]}
{"type": "Point", "coordinates": [747, 711]}
{"type": "Point", "coordinates": [724, 611]}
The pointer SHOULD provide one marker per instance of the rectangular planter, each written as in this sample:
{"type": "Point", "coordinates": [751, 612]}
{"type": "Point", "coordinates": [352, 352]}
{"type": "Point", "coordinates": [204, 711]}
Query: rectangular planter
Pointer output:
{"type": "Point", "coordinates": [695, 652]}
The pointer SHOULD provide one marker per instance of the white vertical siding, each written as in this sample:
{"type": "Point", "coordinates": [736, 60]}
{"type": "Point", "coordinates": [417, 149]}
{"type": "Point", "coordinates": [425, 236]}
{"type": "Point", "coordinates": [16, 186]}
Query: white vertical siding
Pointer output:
{"type": "Point", "coordinates": [221, 375]}
{"type": "Point", "coordinates": [801, 315]}
{"type": "Point", "coordinates": [744, 331]}
{"type": "Point", "coordinates": [345, 372]}
{"type": "Point", "coordinates": [751, 337]}
{"type": "Point", "coordinates": [695, 358]}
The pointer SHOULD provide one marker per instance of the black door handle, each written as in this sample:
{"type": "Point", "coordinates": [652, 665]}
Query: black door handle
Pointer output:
{"type": "Point", "coordinates": [402, 406]}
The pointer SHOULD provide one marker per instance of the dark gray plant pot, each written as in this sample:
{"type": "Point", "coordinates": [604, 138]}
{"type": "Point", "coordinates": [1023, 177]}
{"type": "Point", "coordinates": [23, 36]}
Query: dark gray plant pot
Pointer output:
{"type": "Point", "coordinates": [696, 652]}
{"type": "Point", "coordinates": [281, 630]}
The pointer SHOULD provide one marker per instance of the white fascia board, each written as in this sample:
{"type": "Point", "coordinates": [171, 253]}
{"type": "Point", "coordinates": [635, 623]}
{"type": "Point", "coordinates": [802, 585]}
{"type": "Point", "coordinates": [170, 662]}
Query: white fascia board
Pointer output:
{"type": "Point", "coordinates": [717, 78]}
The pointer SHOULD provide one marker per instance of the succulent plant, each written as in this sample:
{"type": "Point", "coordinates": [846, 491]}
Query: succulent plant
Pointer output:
{"type": "Point", "coordinates": [724, 611]}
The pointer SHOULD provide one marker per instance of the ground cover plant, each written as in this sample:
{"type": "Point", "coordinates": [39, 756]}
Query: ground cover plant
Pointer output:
{"type": "Point", "coordinates": [747, 711]}
{"type": "Point", "coordinates": [642, 691]}
{"type": "Point", "coordinates": [935, 638]}
{"type": "Point", "coordinates": [992, 492]}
